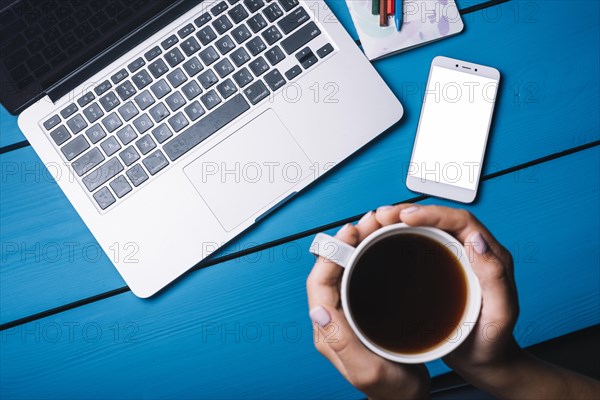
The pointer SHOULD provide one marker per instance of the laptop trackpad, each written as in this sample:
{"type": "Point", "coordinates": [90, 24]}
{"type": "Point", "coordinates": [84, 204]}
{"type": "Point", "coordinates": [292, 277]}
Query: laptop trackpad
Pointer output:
{"type": "Point", "coordinates": [255, 166]}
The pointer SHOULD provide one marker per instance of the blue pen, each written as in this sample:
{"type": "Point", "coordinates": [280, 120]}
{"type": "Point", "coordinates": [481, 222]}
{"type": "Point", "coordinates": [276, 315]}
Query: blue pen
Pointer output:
{"type": "Point", "coordinates": [398, 14]}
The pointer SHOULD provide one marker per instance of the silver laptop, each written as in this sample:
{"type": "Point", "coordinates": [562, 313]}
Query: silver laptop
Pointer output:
{"type": "Point", "coordinates": [172, 126]}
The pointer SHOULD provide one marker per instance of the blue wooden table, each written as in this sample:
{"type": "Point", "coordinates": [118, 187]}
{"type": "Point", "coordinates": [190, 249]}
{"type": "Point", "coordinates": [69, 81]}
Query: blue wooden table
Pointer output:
{"type": "Point", "coordinates": [70, 328]}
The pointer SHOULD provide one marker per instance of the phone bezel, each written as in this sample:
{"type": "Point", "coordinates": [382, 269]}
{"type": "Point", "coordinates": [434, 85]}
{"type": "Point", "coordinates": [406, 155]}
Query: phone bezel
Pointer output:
{"type": "Point", "coordinates": [445, 190]}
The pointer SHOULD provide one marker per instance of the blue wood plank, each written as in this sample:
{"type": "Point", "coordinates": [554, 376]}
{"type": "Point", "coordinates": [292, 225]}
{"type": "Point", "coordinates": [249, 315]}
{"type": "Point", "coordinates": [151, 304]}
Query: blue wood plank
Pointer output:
{"type": "Point", "coordinates": [210, 337]}
{"type": "Point", "coordinates": [563, 113]}
{"type": "Point", "coordinates": [9, 131]}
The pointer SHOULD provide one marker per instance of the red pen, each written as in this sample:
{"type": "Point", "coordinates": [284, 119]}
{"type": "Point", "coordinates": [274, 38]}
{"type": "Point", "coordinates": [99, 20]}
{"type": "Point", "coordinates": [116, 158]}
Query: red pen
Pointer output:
{"type": "Point", "coordinates": [390, 7]}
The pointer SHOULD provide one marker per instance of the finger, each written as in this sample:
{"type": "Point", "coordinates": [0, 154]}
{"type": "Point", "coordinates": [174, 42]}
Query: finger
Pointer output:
{"type": "Point", "coordinates": [388, 215]}
{"type": "Point", "coordinates": [460, 223]}
{"type": "Point", "coordinates": [367, 225]}
{"type": "Point", "coordinates": [321, 285]}
{"type": "Point", "coordinates": [320, 315]}
{"type": "Point", "coordinates": [337, 335]}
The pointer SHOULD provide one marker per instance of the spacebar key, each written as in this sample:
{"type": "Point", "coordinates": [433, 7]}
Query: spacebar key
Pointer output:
{"type": "Point", "coordinates": [204, 128]}
{"type": "Point", "coordinates": [302, 36]}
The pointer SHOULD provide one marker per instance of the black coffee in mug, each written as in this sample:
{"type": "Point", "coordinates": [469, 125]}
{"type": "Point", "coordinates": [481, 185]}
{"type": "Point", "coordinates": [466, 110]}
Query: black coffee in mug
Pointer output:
{"type": "Point", "coordinates": [407, 293]}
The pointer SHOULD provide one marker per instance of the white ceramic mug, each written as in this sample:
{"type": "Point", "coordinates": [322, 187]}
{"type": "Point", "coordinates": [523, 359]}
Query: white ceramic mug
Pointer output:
{"type": "Point", "coordinates": [346, 256]}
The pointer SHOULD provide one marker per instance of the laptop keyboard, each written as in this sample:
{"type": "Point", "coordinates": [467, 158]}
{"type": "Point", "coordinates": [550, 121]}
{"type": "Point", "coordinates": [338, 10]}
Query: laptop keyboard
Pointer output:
{"type": "Point", "coordinates": [180, 92]}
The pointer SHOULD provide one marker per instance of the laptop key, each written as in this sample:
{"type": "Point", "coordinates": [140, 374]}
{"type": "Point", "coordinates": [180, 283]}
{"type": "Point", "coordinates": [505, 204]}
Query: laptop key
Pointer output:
{"type": "Point", "coordinates": [162, 133]}
{"type": "Point", "coordinates": [158, 68]}
{"type": "Point", "coordinates": [206, 35]}
{"type": "Point", "coordinates": [202, 20]}
{"type": "Point", "coordinates": [109, 101]}
{"type": "Point", "coordinates": [75, 147]}
{"type": "Point", "coordinates": [112, 122]}
{"type": "Point", "coordinates": [176, 77]}
{"type": "Point", "coordinates": [256, 45]}
{"type": "Point", "coordinates": [288, 4]}
{"type": "Point", "coordinates": [178, 122]}
{"type": "Point", "coordinates": [257, 23]}
{"type": "Point", "coordinates": [186, 31]}
{"type": "Point", "coordinates": [193, 66]}
{"type": "Point", "coordinates": [104, 198]}
{"type": "Point", "coordinates": [191, 90]}
{"type": "Point", "coordinates": [241, 34]}
{"type": "Point", "coordinates": [293, 72]}
{"type": "Point", "coordinates": [142, 79]}
{"type": "Point", "coordinates": [256, 92]}
{"type": "Point", "coordinates": [155, 162]}
{"type": "Point", "coordinates": [129, 155]}
{"type": "Point", "coordinates": [128, 111]}
{"type": "Point", "coordinates": [222, 24]}
{"type": "Point", "coordinates": [259, 66]}
{"type": "Point", "coordinates": [272, 34]}
{"type": "Point", "coordinates": [293, 20]}
{"type": "Point", "coordinates": [299, 38]}
{"type": "Point", "coordinates": [120, 186]}
{"type": "Point", "coordinates": [275, 55]}
{"type": "Point", "coordinates": [69, 110]}
{"type": "Point", "coordinates": [86, 99]}
{"type": "Point", "coordinates": [240, 56]}
{"type": "Point", "coordinates": [126, 135]}
{"type": "Point", "coordinates": [143, 123]}
{"type": "Point", "coordinates": [102, 174]}
{"type": "Point", "coordinates": [205, 127]}
{"type": "Point", "coordinates": [224, 67]}
{"type": "Point", "coordinates": [52, 122]}
{"type": "Point", "coordinates": [160, 89]}
{"type": "Point", "coordinates": [102, 88]}
{"type": "Point", "coordinates": [159, 112]}
{"type": "Point", "coordinates": [254, 5]}
{"type": "Point", "coordinates": [190, 46]}
{"type": "Point", "coordinates": [60, 135]}
{"type": "Point", "coordinates": [119, 76]}
{"type": "Point", "coordinates": [95, 133]}
{"type": "Point", "coordinates": [174, 57]}
{"type": "Point", "coordinates": [194, 111]}
{"type": "Point", "coordinates": [93, 113]}
{"type": "Point", "coordinates": [210, 99]}
{"type": "Point", "coordinates": [243, 77]}
{"type": "Point", "coordinates": [144, 100]}
{"type": "Point", "coordinates": [136, 64]}
{"type": "Point", "coordinates": [125, 90]}
{"type": "Point", "coordinates": [152, 53]}
{"type": "Point", "coordinates": [238, 13]}
{"type": "Point", "coordinates": [227, 88]}
{"type": "Point", "coordinates": [145, 144]}
{"type": "Point", "coordinates": [208, 78]}
{"type": "Point", "coordinates": [209, 55]}
{"type": "Point", "coordinates": [325, 50]}
{"type": "Point", "coordinates": [169, 42]}
{"type": "Point", "coordinates": [219, 8]}
{"type": "Point", "coordinates": [88, 161]}
{"type": "Point", "coordinates": [274, 79]}
{"type": "Point", "coordinates": [225, 44]}
{"type": "Point", "coordinates": [137, 175]}
{"type": "Point", "coordinates": [175, 101]}
{"type": "Point", "coordinates": [110, 146]}
{"type": "Point", "coordinates": [77, 124]}
{"type": "Point", "coordinates": [273, 12]}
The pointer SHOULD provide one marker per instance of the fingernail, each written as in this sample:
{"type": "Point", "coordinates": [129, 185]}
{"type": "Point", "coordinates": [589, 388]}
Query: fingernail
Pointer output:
{"type": "Point", "coordinates": [384, 208]}
{"type": "Point", "coordinates": [366, 217]}
{"type": "Point", "coordinates": [320, 315]}
{"type": "Point", "coordinates": [409, 210]}
{"type": "Point", "coordinates": [345, 227]}
{"type": "Point", "coordinates": [478, 243]}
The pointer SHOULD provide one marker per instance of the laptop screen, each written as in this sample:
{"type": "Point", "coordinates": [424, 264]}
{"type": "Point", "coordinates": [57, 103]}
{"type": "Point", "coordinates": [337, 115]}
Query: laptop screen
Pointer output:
{"type": "Point", "coordinates": [42, 41]}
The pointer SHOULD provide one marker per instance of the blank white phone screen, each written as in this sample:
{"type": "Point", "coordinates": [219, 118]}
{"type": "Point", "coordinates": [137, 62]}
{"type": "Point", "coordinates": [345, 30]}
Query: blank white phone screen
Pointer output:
{"type": "Point", "coordinates": [453, 128]}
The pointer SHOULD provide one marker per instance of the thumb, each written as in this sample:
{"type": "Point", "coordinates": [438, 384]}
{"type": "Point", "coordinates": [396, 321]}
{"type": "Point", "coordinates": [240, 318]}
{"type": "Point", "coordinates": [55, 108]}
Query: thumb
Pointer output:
{"type": "Point", "coordinates": [497, 286]}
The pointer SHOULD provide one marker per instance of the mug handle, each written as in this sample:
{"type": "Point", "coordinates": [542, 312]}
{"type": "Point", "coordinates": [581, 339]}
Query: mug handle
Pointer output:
{"type": "Point", "coordinates": [332, 249]}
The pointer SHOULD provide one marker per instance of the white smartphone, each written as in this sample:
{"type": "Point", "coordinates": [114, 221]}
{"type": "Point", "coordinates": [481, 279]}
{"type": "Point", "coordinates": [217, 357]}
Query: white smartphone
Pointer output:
{"type": "Point", "coordinates": [453, 129]}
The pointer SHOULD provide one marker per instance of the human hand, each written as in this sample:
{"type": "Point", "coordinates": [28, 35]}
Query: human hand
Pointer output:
{"type": "Point", "coordinates": [491, 342]}
{"type": "Point", "coordinates": [374, 376]}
